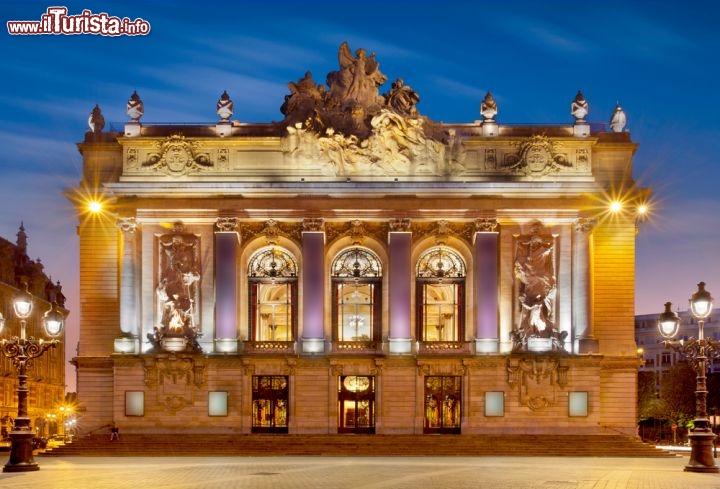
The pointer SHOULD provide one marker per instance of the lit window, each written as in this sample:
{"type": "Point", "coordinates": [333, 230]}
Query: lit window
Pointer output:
{"type": "Point", "coordinates": [440, 295]}
{"type": "Point", "coordinates": [356, 277]}
{"type": "Point", "coordinates": [273, 295]}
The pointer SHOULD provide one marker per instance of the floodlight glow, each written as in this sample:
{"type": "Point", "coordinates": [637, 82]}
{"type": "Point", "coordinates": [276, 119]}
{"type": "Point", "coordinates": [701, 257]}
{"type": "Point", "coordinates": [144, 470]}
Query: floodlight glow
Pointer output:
{"type": "Point", "coordinates": [95, 206]}
{"type": "Point", "coordinates": [616, 206]}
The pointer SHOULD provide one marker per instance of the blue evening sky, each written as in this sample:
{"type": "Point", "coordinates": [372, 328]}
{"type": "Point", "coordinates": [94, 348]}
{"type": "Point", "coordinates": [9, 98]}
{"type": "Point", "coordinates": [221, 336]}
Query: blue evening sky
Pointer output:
{"type": "Point", "coordinates": [658, 59]}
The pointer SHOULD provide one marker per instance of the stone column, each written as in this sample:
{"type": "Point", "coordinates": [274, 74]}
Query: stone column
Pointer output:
{"type": "Point", "coordinates": [227, 241]}
{"type": "Point", "coordinates": [129, 341]}
{"type": "Point", "coordinates": [400, 280]}
{"type": "Point", "coordinates": [313, 282]}
{"type": "Point", "coordinates": [582, 289]}
{"type": "Point", "coordinates": [486, 273]}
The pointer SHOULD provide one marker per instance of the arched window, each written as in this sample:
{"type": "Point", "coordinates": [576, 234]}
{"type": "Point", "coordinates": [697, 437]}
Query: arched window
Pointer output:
{"type": "Point", "coordinates": [272, 277]}
{"type": "Point", "coordinates": [356, 290]}
{"type": "Point", "coordinates": [440, 288]}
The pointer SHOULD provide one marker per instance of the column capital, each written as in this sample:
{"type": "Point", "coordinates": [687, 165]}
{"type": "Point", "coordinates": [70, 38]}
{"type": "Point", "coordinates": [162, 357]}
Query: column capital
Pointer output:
{"type": "Point", "coordinates": [486, 225]}
{"type": "Point", "coordinates": [585, 224]}
{"type": "Point", "coordinates": [227, 224]}
{"type": "Point", "coordinates": [312, 224]}
{"type": "Point", "coordinates": [127, 224]}
{"type": "Point", "coordinates": [399, 225]}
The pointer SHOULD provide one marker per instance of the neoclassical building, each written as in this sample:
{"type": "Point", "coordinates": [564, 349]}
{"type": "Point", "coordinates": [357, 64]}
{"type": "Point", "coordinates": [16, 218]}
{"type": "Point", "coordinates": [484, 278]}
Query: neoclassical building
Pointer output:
{"type": "Point", "coordinates": [357, 268]}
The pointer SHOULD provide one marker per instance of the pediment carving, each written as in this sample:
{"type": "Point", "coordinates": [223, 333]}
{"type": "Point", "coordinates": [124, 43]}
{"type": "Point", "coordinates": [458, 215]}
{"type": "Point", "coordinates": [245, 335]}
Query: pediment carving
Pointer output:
{"type": "Point", "coordinates": [176, 156]}
{"type": "Point", "coordinates": [537, 156]}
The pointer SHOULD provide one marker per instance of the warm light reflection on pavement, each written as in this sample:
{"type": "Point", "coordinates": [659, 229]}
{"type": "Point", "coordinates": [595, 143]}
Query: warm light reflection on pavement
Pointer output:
{"type": "Point", "coordinates": [360, 472]}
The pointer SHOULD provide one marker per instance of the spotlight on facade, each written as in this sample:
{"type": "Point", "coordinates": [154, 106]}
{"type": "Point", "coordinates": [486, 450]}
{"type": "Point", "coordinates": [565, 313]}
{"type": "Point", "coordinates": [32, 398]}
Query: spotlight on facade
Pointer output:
{"type": "Point", "coordinates": [616, 206]}
{"type": "Point", "coordinates": [696, 351]}
{"type": "Point", "coordinates": [95, 206]}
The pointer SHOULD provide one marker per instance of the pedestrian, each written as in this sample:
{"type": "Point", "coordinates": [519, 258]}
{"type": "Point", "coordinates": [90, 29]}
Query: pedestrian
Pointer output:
{"type": "Point", "coordinates": [114, 432]}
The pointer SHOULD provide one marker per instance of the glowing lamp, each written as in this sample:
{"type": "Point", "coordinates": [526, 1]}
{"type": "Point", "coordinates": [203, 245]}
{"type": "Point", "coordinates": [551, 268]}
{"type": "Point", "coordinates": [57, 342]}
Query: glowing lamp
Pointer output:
{"type": "Point", "coordinates": [668, 322]}
{"type": "Point", "coordinates": [53, 321]}
{"type": "Point", "coordinates": [22, 303]}
{"type": "Point", "coordinates": [615, 206]}
{"type": "Point", "coordinates": [701, 302]}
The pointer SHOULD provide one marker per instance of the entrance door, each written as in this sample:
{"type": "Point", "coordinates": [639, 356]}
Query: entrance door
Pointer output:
{"type": "Point", "coordinates": [443, 396]}
{"type": "Point", "coordinates": [356, 398]}
{"type": "Point", "coordinates": [269, 404]}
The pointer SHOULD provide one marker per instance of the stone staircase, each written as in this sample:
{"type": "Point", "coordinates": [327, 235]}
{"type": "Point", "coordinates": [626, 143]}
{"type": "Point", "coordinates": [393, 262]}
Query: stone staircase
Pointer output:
{"type": "Point", "coordinates": [149, 445]}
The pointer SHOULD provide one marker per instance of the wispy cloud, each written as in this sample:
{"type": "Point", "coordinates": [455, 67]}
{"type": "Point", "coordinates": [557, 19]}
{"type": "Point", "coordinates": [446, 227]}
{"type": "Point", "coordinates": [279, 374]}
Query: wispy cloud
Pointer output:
{"type": "Point", "coordinates": [553, 38]}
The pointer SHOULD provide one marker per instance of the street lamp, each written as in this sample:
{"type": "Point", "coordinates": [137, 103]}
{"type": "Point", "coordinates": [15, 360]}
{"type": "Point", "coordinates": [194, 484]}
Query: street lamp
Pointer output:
{"type": "Point", "coordinates": [696, 352]}
{"type": "Point", "coordinates": [23, 350]}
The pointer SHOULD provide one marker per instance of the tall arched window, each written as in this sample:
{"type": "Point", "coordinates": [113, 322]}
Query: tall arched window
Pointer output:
{"type": "Point", "coordinates": [440, 288]}
{"type": "Point", "coordinates": [356, 290]}
{"type": "Point", "coordinates": [272, 277]}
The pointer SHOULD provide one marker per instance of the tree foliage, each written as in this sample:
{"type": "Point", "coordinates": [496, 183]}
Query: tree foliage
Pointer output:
{"type": "Point", "coordinates": [648, 402]}
{"type": "Point", "coordinates": [677, 394]}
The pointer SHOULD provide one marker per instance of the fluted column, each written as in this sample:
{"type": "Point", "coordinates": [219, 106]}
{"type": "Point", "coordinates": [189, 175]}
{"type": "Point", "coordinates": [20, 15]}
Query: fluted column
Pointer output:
{"type": "Point", "coordinates": [486, 249]}
{"type": "Point", "coordinates": [313, 282]}
{"type": "Point", "coordinates": [227, 241]}
{"type": "Point", "coordinates": [585, 341]}
{"type": "Point", "coordinates": [400, 280]}
{"type": "Point", "coordinates": [129, 341]}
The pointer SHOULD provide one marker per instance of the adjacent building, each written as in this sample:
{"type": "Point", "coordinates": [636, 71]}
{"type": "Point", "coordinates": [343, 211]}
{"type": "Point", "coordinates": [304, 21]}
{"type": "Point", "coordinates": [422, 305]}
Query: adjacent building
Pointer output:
{"type": "Point", "coordinates": [357, 268]}
{"type": "Point", "coordinates": [656, 357]}
{"type": "Point", "coordinates": [46, 375]}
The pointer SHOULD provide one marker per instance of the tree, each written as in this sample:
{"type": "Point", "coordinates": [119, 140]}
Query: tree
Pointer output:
{"type": "Point", "coordinates": [648, 402]}
{"type": "Point", "coordinates": [677, 393]}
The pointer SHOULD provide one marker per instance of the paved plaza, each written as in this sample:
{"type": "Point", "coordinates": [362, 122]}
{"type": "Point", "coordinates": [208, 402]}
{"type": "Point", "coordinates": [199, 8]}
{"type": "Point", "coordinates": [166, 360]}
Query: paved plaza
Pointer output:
{"type": "Point", "coordinates": [360, 472]}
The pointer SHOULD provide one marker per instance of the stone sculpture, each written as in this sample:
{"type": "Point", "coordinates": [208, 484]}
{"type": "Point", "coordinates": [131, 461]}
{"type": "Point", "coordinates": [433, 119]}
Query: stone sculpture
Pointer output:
{"type": "Point", "coordinates": [488, 108]}
{"type": "Point", "coordinates": [579, 108]}
{"type": "Point", "coordinates": [618, 120]}
{"type": "Point", "coordinates": [135, 107]}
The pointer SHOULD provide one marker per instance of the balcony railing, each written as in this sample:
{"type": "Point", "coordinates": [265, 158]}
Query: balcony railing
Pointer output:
{"type": "Point", "coordinates": [269, 347]}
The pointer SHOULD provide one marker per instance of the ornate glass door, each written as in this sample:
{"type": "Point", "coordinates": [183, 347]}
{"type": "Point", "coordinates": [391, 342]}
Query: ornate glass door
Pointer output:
{"type": "Point", "coordinates": [269, 404]}
{"type": "Point", "coordinates": [356, 400]}
{"type": "Point", "coordinates": [443, 396]}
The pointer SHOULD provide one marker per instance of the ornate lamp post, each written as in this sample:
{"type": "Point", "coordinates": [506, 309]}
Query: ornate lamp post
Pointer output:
{"type": "Point", "coordinates": [696, 352]}
{"type": "Point", "coordinates": [23, 350]}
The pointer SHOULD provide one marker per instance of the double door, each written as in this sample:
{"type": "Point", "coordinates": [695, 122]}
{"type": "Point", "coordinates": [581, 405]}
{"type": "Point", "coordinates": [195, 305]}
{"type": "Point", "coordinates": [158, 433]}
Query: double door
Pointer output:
{"type": "Point", "coordinates": [443, 397]}
{"type": "Point", "coordinates": [270, 404]}
{"type": "Point", "coordinates": [356, 400]}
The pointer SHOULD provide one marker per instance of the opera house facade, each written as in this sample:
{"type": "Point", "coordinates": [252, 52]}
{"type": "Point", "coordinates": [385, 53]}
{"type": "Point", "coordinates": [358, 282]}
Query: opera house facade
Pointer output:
{"type": "Point", "coordinates": [357, 268]}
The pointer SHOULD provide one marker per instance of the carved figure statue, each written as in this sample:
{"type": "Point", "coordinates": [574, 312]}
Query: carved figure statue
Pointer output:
{"type": "Point", "coordinates": [96, 121]}
{"type": "Point", "coordinates": [619, 120]}
{"type": "Point", "coordinates": [579, 108]}
{"type": "Point", "coordinates": [488, 108]}
{"type": "Point", "coordinates": [402, 99]}
{"type": "Point", "coordinates": [535, 273]}
{"type": "Point", "coordinates": [177, 290]}
{"type": "Point", "coordinates": [224, 107]}
{"type": "Point", "coordinates": [303, 102]}
{"type": "Point", "coordinates": [135, 107]}
{"type": "Point", "coordinates": [357, 81]}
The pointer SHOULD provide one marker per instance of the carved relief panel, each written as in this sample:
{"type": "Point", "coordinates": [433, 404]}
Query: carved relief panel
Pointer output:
{"type": "Point", "coordinates": [177, 291]}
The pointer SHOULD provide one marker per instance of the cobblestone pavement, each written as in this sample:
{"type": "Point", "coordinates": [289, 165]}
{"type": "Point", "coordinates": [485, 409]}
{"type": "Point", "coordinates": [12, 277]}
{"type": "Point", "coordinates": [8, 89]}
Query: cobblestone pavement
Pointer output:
{"type": "Point", "coordinates": [360, 472]}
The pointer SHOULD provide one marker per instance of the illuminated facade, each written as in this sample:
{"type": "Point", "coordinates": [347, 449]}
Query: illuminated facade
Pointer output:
{"type": "Point", "coordinates": [46, 376]}
{"type": "Point", "coordinates": [357, 268]}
